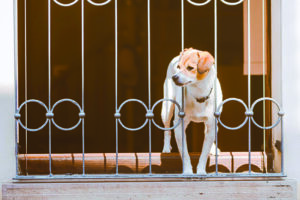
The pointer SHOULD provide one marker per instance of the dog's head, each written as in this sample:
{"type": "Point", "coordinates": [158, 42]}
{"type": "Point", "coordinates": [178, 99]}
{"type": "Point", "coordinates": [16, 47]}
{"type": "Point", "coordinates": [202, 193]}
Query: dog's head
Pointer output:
{"type": "Point", "coordinates": [192, 67]}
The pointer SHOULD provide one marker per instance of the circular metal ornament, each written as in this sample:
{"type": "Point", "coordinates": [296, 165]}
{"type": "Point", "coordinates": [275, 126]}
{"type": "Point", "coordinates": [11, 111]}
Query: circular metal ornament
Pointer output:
{"type": "Point", "coordinates": [119, 114]}
{"type": "Point", "coordinates": [65, 4]}
{"type": "Point", "coordinates": [80, 111]}
{"type": "Point", "coordinates": [232, 3]}
{"type": "Point", "coordinates": [176, 124]}
{"type": "Point", "coordinates": [280, 113]}
{"type": "Point", "coordinates": [18, 115]}
{"type": "Point", "coordinates": [199, 4]}
{"type": "Point", "coordinates": [99, 4]}
{"type": "Point", "coordinates": [218, 114]}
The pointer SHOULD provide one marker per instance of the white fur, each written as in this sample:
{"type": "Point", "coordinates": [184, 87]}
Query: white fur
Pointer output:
{"type": "Point", "coordinates": [194, 111]}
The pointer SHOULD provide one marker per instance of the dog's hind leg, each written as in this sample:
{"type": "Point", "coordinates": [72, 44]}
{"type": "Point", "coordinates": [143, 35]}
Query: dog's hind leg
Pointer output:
{"type": "Point", "coordinates": [209, 137]}
{"type": "Point", "coordinates": [167, 113]}
{"type": "Point", "coordinates": [213, 150]}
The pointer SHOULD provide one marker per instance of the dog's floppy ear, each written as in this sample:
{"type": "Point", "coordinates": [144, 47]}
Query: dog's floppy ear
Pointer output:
{"type": "Point", "coordinates": [205, 62]}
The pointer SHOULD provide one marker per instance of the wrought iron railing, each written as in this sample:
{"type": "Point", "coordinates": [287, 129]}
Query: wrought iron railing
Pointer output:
{"type": "Point", "coordinates": [149, 107]}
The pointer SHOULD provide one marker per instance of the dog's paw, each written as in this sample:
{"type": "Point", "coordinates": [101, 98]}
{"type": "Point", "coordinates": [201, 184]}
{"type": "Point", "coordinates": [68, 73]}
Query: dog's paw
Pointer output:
{"type": "Point", "coordinates": [201, 171]}
{"type": "Point", "coordinates": [188, 171]}
{"type": "Point", "coordinates": [167, 149]}
{"type": "Point", "coordinates": [213, 150]}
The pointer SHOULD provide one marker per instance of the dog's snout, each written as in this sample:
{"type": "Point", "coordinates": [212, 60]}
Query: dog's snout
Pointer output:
{"type": "Point", "coordinates": [175, 78]}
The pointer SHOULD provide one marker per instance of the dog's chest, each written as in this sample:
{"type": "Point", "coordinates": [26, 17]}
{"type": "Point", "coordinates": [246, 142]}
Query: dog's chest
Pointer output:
{"type": "Point", "coordinates": [197, 112]}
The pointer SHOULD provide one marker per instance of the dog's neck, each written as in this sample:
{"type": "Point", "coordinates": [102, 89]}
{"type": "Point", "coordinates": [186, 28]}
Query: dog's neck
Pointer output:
{"type": "Point", "coordinates": [202, 90]}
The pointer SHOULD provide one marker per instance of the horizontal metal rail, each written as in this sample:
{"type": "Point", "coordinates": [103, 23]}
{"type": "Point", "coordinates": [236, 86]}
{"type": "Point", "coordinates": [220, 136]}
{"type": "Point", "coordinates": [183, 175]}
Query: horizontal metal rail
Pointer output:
{"type": "Point", "coordinates": [127, 176]}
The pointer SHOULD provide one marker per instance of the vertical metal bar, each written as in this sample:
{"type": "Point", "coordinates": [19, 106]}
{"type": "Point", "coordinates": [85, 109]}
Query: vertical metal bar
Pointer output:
{"type": "Point", "coordinates": [182, 89]}
{"type": "Point", "coordinates": [16, 59]}
{"type": "Point", "coordinates": [149, 54]}
{"type": "Point", "coordinates": [249, 143]}
{"type": "Point", "coordinates": [117, 149]}
{"type": "Point", "coordinates": [82, 82]}
{"type": "Point", "coordinates": [182, 128]}
{"type": "Point", "coordinates": [282, 128]}
{"type": "Point", "coordinates": [216, 155]}
{"type": "Point", "coordinates": [82, 54]}
{"type": "Point", "coordinates": [25, 66]}
{"type": "Point", "coordinates": [264, 75]}
{"type": "Point", "coordinates": [16, 141]}
{"type": "Point", "coordinates": [282, 147]}
{"type": "Point", "coordinates": [49, 80]}
{"type": "Point", "coordinates": [116, 81]}
{"type": "Point", "coordinates": [215, 82]}
{"type": "Point", "coordinates": [249, 85]}
{"type": "Point", "coordinates": [50, 143]}
{"type": "Point", "coordinates": [83, 147]}
{"type": "Point", "coordinates": [149, 81]}
{"type": "Point", "coordinates": [182, 25]}
{"type": "Point", "coordinates": [116, 54]}
{"type": "Point", "coordinates": [150, 150]}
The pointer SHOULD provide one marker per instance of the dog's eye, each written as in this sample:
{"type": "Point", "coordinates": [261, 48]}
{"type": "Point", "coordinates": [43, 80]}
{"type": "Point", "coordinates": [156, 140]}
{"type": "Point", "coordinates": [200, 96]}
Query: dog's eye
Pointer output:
{"type": "Point", "coordinates": [178, 67]}
{"type": "Point", "coordinates": [189, 68]}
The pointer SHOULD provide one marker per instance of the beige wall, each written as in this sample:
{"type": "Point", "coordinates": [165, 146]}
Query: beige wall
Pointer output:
{"type": "Point", "coordinates": [6, 91]}
{"type": "Point", "coordinates": [291, 88]}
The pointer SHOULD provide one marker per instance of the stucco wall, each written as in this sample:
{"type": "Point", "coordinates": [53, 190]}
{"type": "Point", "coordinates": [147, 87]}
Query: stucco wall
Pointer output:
{"type": "Point", "coordinates": [6, 91]}
{"type": "Point", "coordinates": [291, 88]}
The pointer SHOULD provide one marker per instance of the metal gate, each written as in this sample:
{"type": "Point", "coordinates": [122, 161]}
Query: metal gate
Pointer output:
{"type": "Point", "coordinates": [149, 106]}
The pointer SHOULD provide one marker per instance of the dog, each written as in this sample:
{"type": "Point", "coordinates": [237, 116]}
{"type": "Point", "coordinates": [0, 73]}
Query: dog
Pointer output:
{"type": "Point", "coordinates": [194, 70]}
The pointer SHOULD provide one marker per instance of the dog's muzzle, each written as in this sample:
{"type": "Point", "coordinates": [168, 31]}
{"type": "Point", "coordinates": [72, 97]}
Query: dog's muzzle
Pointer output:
{"type": "Point", "coordinates": [177, 81]}
{"type": "Point", "coordinates": [175, 78]}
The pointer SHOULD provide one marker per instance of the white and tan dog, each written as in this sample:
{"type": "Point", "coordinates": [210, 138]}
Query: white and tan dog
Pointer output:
{"type": "Point", "coordinates": [195, 70]}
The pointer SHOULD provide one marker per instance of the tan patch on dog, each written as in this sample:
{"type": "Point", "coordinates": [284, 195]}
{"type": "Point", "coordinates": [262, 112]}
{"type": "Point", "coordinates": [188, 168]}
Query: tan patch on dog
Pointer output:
{"type": "Point", "coordinates": [205, 61]}
{"type": "Point", "coordinates": [201, 61]}
{"type": "Point", "coordinates": [201, 76]}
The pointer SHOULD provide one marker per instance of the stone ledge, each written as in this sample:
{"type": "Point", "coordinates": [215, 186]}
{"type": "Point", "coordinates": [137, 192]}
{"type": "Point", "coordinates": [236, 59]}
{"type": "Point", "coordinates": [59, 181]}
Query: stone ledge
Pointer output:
{"type": "Point", "coordinates": [189, 189]}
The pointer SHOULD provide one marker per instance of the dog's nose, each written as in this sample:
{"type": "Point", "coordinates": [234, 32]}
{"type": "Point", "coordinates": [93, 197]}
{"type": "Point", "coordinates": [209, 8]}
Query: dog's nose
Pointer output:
{"type": "Point", "coordinates": [175, 78]}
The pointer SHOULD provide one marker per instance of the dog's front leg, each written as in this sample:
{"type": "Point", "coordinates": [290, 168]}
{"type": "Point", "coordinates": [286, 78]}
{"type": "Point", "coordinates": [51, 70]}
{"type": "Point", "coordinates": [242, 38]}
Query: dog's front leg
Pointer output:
{"type": "Point", "coordinates": [167, 113]}
{"type": "Point", "coordinates": [167, 142]}
{"type": "Point", "coordinates": [188, 169]}
{"type": "Point", "coordinates": [209, 138]}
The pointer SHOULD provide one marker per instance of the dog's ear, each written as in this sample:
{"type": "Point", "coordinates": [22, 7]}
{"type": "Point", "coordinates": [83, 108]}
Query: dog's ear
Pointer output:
{"type": "Point", "coordinates": [205, 62]}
